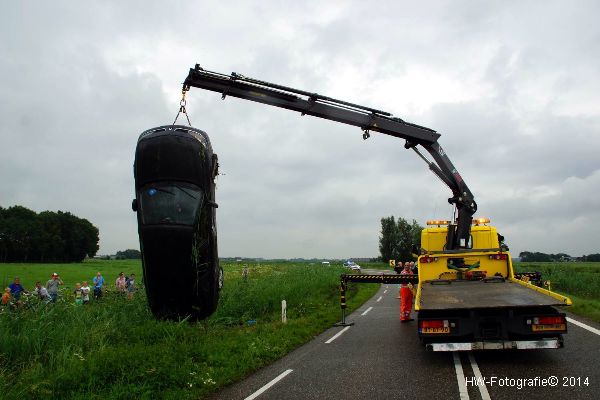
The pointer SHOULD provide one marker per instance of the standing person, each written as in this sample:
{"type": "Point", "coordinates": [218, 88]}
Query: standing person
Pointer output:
{"type": "Point", "coordinates": [41, 292]}
{"type": "Point", "coordinates": [78, 294]}
{"type": "Point", "coordinates": [98, 283]}
{"type": "Point", "coordinates": [16, 289]}
{"type": "Point", "coordinates": [121, 283]}
{"type": "Point", "coordinates": [398, 267]}
{"type": "Point", "coordinates": [52, 286]}
{"type": "Point", "coordinates": [131, 286]}
{"type": "Point", "coordinates": [85, 291]}
{"type": "Point", "coordinates": [406, 296]}
{"type": "Point", "coordinates": [414, 268]}
{"type": "Point", "coordinates": [6, 297]}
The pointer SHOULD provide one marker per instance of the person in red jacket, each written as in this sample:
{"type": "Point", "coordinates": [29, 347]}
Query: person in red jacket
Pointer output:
{"type": "Point", "coordinates": [406, 296]}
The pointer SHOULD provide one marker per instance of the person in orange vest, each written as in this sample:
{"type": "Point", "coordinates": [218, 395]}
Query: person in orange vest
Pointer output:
{"type": "Point", "coordinates": [399, 270]}
{"type": "Point", "coordinates": [406, 296]}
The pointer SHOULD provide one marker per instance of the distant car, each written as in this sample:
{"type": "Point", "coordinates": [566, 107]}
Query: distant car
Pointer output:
{"type": "Point", "coordinates": [325, 262]}
{"type": "Point", "coordinates": [352, 265]}
{"type": "Point", "coordinates": [355, 268]}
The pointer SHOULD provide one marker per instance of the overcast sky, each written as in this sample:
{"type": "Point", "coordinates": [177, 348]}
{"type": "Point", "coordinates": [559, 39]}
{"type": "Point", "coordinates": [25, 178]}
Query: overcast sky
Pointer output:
{"type": "Point", "coordinates": [512, 87]}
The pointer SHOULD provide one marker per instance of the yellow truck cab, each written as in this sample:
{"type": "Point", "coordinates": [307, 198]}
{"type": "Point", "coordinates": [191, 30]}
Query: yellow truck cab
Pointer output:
{"type": "Point", "coordinates": [471, 298]}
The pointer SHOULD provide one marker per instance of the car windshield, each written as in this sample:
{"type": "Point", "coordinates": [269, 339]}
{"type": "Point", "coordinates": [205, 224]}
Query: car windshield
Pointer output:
{"type": "Point", "coordinates": [170, 203]}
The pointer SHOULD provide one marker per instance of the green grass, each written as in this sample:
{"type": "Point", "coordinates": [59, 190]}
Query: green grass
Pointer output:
{"type": "Point", "coordinates": [115, 349]}
{"type": "Point", "coordinates": [578, 280]}
{"type": "Point", "coordinates": [589, 308]}
{"type": "Point", "coordinates": [376, 265]}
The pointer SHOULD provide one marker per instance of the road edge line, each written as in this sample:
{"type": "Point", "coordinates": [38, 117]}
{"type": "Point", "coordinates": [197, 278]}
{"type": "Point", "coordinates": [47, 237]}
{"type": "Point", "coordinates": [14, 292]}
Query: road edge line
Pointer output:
{"type": "Point", "coordinates": [584, 326]}
{"type": "Point", "coordinates": [460, 377]}
{"type": "Point", "coordinates": [337, 335]}
{"type": "Point", "coordinates": [485, 395]}
{"type": "Point", "coordinates": [269, 385]}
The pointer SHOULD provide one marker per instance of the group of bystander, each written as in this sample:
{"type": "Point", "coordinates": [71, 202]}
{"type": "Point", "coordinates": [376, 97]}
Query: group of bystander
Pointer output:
{"type": "Point", "coordinates": [11, 297]}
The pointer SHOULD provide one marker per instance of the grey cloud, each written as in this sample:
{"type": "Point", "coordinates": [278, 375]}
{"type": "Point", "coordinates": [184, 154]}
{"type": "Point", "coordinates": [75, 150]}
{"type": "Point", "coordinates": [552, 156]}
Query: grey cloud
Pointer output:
{"type": "Point", "coordinates": [79, 83]}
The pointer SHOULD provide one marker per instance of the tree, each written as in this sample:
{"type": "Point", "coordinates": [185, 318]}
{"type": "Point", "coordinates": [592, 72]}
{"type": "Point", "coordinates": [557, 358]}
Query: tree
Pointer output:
{"type": "Point", "coordinates": [45, 237]}
{"type": "Point", "coordinates": [388, 239]}
{"type": "Point", "coordinates": [397, 238]}
{"type": "Point", "coordinates": [560, 257]}
{"type": "Point", "coordinates": [528, 256]}
{"type": "Point", "coordinates": [80, 236]}
{"type": "Point", "coordinates": [129, 254]}
{"type": "Point", "coordinates": [51, 245]}
{"type": "Point", "coordinates": [19, 227]}
{"type": "Point", "coordinates": [405, 240]}
{"type": "Point", "coordinates": [592, 257]}
{"type": "Point", "coordinates": [409, 234]}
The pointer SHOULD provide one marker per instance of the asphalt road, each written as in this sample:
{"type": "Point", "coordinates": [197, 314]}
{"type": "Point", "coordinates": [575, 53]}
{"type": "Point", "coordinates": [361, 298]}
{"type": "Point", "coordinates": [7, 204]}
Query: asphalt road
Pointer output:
{"type": "Point", "coordinates": [381, 358]}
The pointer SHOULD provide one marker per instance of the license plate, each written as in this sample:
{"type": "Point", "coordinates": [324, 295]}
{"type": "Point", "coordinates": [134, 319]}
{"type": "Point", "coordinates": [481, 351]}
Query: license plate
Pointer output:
{"type": "Point", "coordinates": [552, 327]}
{"type": "Point", "coordinates": [435, 330]}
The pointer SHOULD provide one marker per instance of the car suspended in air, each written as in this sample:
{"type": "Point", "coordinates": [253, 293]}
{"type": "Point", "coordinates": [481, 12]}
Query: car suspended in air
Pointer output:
{"type": "Point", "coordinates": [175, 170]}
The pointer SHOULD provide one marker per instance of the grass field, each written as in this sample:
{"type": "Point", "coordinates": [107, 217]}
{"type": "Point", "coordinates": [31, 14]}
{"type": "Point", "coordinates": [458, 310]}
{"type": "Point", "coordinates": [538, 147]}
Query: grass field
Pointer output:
{"type": "Point", "coordinates": [376, 265]}
{"type": "Point", "coordinates": [115, 349]}
{"type": "Point", "coordinates": [578, 280]}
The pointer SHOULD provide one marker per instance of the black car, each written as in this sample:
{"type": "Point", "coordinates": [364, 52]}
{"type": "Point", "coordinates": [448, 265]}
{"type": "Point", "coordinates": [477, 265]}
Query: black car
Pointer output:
{"type": "Point", "coordinates": [175, 170]}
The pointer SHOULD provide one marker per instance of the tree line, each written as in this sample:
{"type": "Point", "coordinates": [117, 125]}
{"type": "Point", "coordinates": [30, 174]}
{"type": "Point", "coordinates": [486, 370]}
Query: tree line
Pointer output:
{"type": "Point", "coordinates": [529, 256]}
{"type": "Point", "coordinates": [398, 238]}
{"type": "Point", "coordinates": [129, 254]}
{"type": "Point", "coordinates": [26, 236]}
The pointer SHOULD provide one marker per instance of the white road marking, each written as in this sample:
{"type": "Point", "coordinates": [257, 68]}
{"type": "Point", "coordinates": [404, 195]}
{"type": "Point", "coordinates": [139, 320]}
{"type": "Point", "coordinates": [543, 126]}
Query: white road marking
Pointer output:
{"type": "Point", "coordinates": [379, 299]}
{"type": "Point", "coordinates": [337, 335]}
{"type": "Point", "coordinates": [460, 377]}
{"type": "Point", "coordinates": [367, 310]}
{"type": "Point", "coordinates": [268, 385]}
{"type": "Point", "coordinates": [584, 326]}
{"type": "Point", "coordinates": [385, 291]}
{"type": "Point", "coordinates": [478, 378]}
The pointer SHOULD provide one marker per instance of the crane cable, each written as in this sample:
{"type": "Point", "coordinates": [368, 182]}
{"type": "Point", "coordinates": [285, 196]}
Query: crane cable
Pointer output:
{"type": "Point", "coordinates": [182, 109]}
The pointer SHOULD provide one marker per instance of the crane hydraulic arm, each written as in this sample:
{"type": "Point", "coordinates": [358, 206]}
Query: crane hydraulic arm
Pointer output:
{"type": "Point", "coordinates": [368, 119]}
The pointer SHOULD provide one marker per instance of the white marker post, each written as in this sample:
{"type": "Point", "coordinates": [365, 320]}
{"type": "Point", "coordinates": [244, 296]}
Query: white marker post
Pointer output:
{"type": "Point", "coordinates": [283, 311]}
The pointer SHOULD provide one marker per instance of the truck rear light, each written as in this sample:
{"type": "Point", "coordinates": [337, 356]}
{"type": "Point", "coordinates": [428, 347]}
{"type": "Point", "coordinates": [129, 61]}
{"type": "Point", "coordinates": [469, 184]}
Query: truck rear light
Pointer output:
{"type": "Point", "coordinates": [427, 260]}
{"type": "Point", "coordinates": [552, 323]}
{"type": "Point", "coordinates": [549, 320]}
{"type": "Point", "coordinates": [437, 323]}
{"type": "Point", "coordinates": [499, 257]}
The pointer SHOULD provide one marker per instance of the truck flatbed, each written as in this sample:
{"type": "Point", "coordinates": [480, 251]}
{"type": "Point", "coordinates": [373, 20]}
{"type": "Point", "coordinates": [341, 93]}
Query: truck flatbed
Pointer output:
{"type": "Point", "coordinates": [456, 294]}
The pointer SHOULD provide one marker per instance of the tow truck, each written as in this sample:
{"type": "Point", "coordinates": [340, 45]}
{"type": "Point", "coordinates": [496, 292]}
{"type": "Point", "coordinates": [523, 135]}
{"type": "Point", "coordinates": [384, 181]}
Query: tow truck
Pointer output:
{"type": "Point", "coordinates": [468, 295]}
{"type": "Point", "coordinates": [472, 299]}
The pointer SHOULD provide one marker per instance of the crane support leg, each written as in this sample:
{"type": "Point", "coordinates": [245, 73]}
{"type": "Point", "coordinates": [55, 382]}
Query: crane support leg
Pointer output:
{"type": "Point", "coordinates": [343, 322]}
